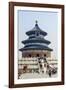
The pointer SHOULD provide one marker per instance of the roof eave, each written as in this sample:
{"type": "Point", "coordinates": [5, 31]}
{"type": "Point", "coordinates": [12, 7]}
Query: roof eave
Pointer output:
{"type": "Point", "coordinates": [24, 49]}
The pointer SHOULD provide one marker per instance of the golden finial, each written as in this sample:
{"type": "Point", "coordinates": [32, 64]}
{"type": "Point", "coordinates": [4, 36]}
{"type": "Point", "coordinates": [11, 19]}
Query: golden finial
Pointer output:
{"type": "Point", "coordinates": [36, 21]}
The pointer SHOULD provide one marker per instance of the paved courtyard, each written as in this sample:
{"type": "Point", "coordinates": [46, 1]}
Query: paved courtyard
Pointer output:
{"type": "Point", "coordinates": [35, 75]}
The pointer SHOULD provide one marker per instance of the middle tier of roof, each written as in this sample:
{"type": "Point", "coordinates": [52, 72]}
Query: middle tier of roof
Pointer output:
{"type": "Point", "coordinates": [36, 40]}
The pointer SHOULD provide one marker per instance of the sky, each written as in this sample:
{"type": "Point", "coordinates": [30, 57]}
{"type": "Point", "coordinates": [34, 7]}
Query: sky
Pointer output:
{"type": "Point", "coordinates": [47, 21]}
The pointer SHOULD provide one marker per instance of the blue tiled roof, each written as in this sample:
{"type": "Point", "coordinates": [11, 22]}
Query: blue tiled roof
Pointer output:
{"type": "Point", "coordinates": [35, 40]}
{"type": "Point", "coordinates": [36, 29]}
{"type": "Point", "coordinates": [36, 47]}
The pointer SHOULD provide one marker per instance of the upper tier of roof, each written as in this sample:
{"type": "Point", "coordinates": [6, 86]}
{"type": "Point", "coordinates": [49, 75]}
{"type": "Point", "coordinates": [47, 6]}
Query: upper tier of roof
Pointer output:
{"type": "Point", "coordinates": [36, 29]}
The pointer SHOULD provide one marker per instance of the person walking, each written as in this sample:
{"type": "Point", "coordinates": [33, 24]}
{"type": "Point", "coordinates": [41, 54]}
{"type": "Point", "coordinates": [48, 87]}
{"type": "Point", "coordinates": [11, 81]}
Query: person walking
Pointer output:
{"type": "Point", "coordinates": [49, 73]}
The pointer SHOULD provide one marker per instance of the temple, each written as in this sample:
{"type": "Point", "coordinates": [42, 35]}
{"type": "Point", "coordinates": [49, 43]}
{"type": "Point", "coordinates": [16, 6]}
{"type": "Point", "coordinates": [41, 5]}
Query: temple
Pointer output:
{"type": "Point", "coordinates": [35, 52]}
{"type": "Point", "coordinates": [36, 45]}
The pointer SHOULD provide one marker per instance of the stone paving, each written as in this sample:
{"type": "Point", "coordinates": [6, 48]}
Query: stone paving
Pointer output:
{"type": "Point", "coordinates": [36, 75]}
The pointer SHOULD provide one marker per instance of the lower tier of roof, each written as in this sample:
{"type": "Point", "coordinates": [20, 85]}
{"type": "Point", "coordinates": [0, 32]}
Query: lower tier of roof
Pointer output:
{"type": "Point", "coordinates": [36, 47]}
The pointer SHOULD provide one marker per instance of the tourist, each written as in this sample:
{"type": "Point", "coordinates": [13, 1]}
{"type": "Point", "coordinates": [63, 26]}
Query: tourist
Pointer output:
{"type": "Point", "coordinates": [49, 73]}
